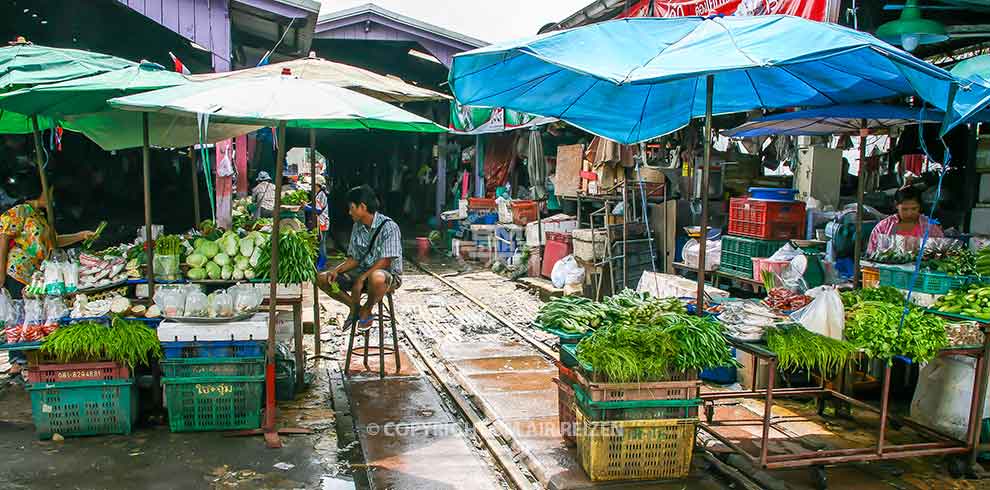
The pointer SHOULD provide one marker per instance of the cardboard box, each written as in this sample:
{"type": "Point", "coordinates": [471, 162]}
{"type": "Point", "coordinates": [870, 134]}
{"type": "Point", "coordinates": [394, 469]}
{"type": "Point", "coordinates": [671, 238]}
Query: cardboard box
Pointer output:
{"type": "Point", "coordinates": [745, 371]}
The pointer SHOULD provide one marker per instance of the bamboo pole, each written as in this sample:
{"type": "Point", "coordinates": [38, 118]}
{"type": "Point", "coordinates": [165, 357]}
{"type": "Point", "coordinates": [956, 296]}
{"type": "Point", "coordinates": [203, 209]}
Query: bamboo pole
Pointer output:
{"type": "Point", "coordinates": [146, 164]}
{"type": "Point", "coordinates": [45, 191]}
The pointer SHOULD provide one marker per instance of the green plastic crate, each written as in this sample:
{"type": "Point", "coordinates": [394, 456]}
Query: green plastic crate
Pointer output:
{"type": "Point", "coordinates": [213, 403]}
{"type": "Point", "coordinates": [83, 408]}
{"type": "Point", "coordinates": [568, 355]}
{"type": "Point", "coordinates": [634, 409]}
{"type": "Point", "coordinates": [738, 253]}
{"type": "Point", "coordinates": [197, 367]}
{"type": "Point", "coordinates": [927, 282]}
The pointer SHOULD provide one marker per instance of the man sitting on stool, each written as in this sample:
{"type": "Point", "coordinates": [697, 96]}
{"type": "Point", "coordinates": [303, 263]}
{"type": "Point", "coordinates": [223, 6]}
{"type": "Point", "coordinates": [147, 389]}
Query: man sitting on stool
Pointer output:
{"type": "Point", "coordinates": [374, 258]}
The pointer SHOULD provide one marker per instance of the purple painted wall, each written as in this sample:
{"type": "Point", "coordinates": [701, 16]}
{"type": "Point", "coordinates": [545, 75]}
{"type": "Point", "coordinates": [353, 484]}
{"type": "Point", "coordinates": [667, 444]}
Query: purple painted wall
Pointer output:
{"type": "Point", "coordinates": [205, 22]}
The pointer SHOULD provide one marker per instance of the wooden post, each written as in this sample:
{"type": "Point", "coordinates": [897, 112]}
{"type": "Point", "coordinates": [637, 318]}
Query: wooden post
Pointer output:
{"type": "Point", "coordinates": [146, 162]}
{"type": "Point", "coordinates": [703, 239]}
{"type": "Point", "coordinates": [316, 289]}
{"type": "Point", "coordinates": [271, 434]}
{"type": "Point", "coordinates": [49, 210]}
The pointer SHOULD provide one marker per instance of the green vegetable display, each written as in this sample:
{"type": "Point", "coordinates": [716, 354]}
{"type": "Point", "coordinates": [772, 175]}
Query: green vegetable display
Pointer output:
{"type": "Point", "coordinates": [955, 262]}
{"type": "Point", "coordinates": [883, 294]}
{"type": "Point", "coordinates": [799, 348]}
{"type": "Point", "coordinates": [983, 262]}
{"type": "Point", "coordinates": [972, 301]}
{"type": "Point", "coordinates": [296, 257]}
{"type": "Point", "coordinates": [295, 198]}
{"type": "Point", "coordinates": [874, 327]}
{"type": "Point", "coordinates": [571, 314]}
{"type": "Point", "coordinates": [128, 342]}
{"type": "Point", "coordinates": [229, 258]}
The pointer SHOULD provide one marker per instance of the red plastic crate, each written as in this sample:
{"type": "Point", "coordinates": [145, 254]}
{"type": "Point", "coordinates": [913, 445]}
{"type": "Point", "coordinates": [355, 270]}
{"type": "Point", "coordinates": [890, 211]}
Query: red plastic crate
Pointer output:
{"type": "Point", "coordinates": [524, 212]}
{"type": "Point", "coordinates": [766, 220]}
{"type": "Point", "coordinates": [558, 246]}
{"type": "Point", "coordinates": [90, 371]}
{"type": "Point", "coordinates": [481, 203]}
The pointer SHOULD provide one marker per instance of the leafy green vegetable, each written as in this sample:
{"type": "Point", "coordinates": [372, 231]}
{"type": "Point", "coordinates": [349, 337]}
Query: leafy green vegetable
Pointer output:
{"type": "Point", "coordinates": [874, 327]}
{"type": "Point", "coordinates": [571, 314]}
{"type": "Point", "coordinates": [296, 257]}
{"type": "Point", "coordinates": [972, 301]}
{"type": "Point", "coordinates": [168, 245]}
{"type": "Point", "coordinates": [883, 294]}
{"type": "Point", "coordinates": [196, 260]}
{"type": "Point", "coordinates": [295, 198]}
{"type": "Point", "coordinates": [799, 348]}
{"type": "Point", "coordinates": [196, 274]}
{"type": "Point", "coordinates": [209, 249]}
{"type": "Point", "coordinates": [128, 342]}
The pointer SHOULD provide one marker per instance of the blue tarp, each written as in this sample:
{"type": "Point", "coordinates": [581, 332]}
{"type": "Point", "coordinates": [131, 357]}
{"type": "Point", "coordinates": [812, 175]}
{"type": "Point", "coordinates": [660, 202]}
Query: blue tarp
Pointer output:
{"type": "Point", "coordinates": [634, 79]}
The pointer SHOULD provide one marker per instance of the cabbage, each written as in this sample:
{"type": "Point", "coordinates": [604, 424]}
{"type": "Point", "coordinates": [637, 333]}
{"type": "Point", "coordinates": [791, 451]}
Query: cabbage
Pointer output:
{"type": "Point", "coordinates": [213, 270]}
{"type": "Point", "coordinates": [196, 274]}
{"type": "Point", "coordinates": [222, 259]}
{"type": "Point", "coordinates": [209, 249]}
{"type": "Point", "coordinates": [255, 257]}
{"type": "Point", "coordinates": [249, 274]}
{"type": "Point", "coordinates": [260, 239]}
{"type": "Point", "coordinates": [226, 272]}
{"type": "Point", "coordinates": [197, 260]}
{"type": "Point", "coordinates": [199, 242]}
{"type": "Point", "coordinates": [229, 244]}
{"type": "Point", "coordinates": [241, 263]}
{"type": "Point", "coordinates": [247, 247]}
{"type": "Point", "coordinates": [237, 275]}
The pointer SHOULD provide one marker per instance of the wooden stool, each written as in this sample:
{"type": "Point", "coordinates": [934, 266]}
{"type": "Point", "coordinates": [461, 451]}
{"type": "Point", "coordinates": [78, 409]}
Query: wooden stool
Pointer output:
{"type": "Point", "coordinates": [384, 314]}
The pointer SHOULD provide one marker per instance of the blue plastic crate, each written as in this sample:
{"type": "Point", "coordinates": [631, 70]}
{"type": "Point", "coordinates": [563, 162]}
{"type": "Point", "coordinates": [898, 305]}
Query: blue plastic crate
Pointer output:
{"type": "Point", "coordinates": [724, 375]}
{"type": "Point", "coordinates": [482, 218]}
{"type": "Point", "coordinates": [772, 194]}
{"type": "Point", "coordinates": [220, 348]}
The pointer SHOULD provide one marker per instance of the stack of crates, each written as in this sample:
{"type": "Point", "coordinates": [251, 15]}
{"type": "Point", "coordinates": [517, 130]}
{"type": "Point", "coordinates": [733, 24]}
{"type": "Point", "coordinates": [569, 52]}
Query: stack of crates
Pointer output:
{"type": "Point", "coordinates": [82, 399]}
{"type": "Point", "coordinates": [635, 431]}
{"type": "Point", "coordinates": [213, 384]}
{"type": "Point", "coordinates": [757, 229]}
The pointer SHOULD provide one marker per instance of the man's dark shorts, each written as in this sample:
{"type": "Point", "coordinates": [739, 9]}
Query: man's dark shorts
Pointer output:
{"type": "Point", "coordinates": [346, 281]}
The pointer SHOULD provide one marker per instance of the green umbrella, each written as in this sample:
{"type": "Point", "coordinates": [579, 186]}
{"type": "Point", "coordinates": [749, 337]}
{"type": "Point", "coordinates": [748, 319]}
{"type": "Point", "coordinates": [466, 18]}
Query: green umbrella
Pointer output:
{"type": "Point", "coordinates": [295, 102]}
{"type": "Point", "coordinates": [975, 68]}
{"type": "Point", "coordinates": [26, 65]}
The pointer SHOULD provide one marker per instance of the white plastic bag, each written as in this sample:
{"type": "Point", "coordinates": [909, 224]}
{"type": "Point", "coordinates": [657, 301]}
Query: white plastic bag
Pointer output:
{"type": "Point", "coordinates": [713, 253]}
{"type": "Point", "coordinates": [825, 314]}
{"type": "Point", "coordinates": [944, 393]}
{"type": "Point", "coordinates": [786, 252]}
{"type": "Point", "coordinates": [567, 271]}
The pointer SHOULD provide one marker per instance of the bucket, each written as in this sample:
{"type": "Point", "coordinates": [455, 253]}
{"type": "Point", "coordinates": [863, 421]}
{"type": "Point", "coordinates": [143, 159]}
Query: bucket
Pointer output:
{"type": "Point", "coordinates": [422, 247]}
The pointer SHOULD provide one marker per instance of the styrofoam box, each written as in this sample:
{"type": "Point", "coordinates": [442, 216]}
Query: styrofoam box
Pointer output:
{"type": "Point", "coordinates": [670, 286]}
{"type": "Point", "coordinates": [254, 328]}
{"type": "Point", "coordinates": [979, 222]}
{"type": "Point", "coordinates": [560, 223]}
{"type": "Point", "coordinates": [283, 290]}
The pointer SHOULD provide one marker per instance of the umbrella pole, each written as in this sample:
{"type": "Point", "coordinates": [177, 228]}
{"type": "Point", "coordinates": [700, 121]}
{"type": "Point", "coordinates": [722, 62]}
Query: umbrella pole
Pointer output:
{"type": "Point", "coordinates": [703, 239]}
{"type": "Point", "coordinates": [146, 163]}
{"type": "Point", "coordinates": [319, 234]}
{"type": "Point", "coordinates": [50, 212]}
{"type": "Point", "coordinates": [860, 186]}
{"type": "Point", "coordinates": [195, 185]}
{"type": "Point", "coordinates": [271, 435]}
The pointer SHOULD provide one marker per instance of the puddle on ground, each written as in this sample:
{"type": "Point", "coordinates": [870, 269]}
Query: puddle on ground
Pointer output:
{"type": "Point", "coordinates": [333, 483]}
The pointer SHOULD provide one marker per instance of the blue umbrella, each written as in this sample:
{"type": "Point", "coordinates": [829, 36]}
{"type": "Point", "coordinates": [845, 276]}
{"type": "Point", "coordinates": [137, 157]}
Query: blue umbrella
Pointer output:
{"type": "Point", "coordinates": [634, 79]}
{"type": "Point", "coordinates": [824, 121]}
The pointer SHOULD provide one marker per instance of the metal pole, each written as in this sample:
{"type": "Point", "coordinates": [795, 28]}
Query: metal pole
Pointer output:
{"type": "Point", "coordinates": [316, 289]}
{"type": "Point", "coordinates": [49, 210]}
{"type": "Point", "coordinates": [860, 186]}
{"type": "Point", "coordinates": [441, 197]}
{"type": "Point", "coordinates": [703, 239]}
{"type": "Point", "coordinates": [479, 162]}
{"type": "Point", "coordinates": [148, 241]}
{"type": "Point", "coordinates": [195, 184]}
{"type": "Point", "coordinates": [273, 289]}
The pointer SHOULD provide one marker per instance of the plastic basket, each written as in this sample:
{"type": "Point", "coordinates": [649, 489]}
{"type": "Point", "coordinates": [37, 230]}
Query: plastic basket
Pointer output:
{"type": "Point", "coordinates": [220, 348]}
{"type": "Point", "coordinates": [565, 411]}
{"type": "Point", "coordinates": [90, 371]}
{"type": "Point", "coordinates": [83, 408]}
{"type": "Point", "coordinates": [481, 203]}
{"type": "Point", "coordinates": [772, 193]}
{"type": "Point", "coordinates": [871, 277]}
{"type": "Point", "coordinates": [738, 252]}
{"type": "Point", "coordinates": [767, 220]}
{"type": "Point", "coordinates": [213, 366]}
{"type": "Point", "coordinates": [213, 403]}
{"type": "Point", "coordinates": [636, 409]}
{"type": "Point", "coordinates": [635, 449]}
{"type": "Point", "coordinates": [681, 386]}
{"type": "Point", "coordinates": [568, 354]}
{"type": "Point", "coordinates": [926, 282]}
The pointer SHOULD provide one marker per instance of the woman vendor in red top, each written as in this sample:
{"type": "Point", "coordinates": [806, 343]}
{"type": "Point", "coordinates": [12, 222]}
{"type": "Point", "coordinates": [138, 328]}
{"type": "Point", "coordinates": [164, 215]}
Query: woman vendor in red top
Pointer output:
{"type": "Point", "coordinates": [907, 222]}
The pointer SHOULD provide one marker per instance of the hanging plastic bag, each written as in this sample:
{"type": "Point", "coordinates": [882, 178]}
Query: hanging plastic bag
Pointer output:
{"type": "Point", "coordinates": [786, 253]}
{"type": "Point", "coordinates": [70, 273]}
{"type": "Point", "coordinates": [566, 272]}
{"type": "Point", "coordinates": [825, 314]}
{"type": "Point", "coordinates": [196, 305]}
{"type": "Point", "coordinates": [34, 320]}
{"type": "Point", "coordinates": [55, 310]}
{"type": "Point", "coordinates": [15, 322]}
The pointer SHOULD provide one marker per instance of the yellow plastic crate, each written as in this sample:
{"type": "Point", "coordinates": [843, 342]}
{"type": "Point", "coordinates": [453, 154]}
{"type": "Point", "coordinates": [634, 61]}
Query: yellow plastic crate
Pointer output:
{"type": "Point", "coordinates": [635, 449]}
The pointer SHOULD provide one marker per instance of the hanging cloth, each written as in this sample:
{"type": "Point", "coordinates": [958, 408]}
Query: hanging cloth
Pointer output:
{"type": "Point", "coordinates": [203, 121]}
{"type": "Point", "coordinates": [536, 163]}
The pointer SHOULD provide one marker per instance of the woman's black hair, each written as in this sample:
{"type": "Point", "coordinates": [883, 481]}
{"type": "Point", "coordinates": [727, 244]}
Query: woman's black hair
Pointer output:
{"type": "Point", "coordinates": [909, 193]}
{"type": "Point", "coordinates": [363, 194]}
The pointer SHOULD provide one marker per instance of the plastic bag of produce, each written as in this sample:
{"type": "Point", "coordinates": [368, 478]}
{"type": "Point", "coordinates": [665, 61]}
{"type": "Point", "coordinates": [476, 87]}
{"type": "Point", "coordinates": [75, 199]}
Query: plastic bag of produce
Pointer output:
{"type": "Point", "coordinates": [825, 314]}
{"type": "Point", "coordinates": [34, 320]}
{"type": "Point", "coordinates": [70, 273]}
{"type": "Point", "coordinates": [15, 322]}
{"type": "Point", "coordinates": [567, 271]}
{"type": "Point", "coordinates": [55, 310]}
{"type": "Point", "coordinates": [167, 267]}
{"type": "Point", "coordinates": [713, 253]}
{"type": "Point", "coordinates": [197, 304]}
{"type": "Point", "coordinates": [222, 305]}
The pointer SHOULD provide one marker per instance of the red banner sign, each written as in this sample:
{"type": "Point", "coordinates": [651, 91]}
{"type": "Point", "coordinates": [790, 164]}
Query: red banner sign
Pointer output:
{"type": "Point", "coordinates": [820, 10]}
